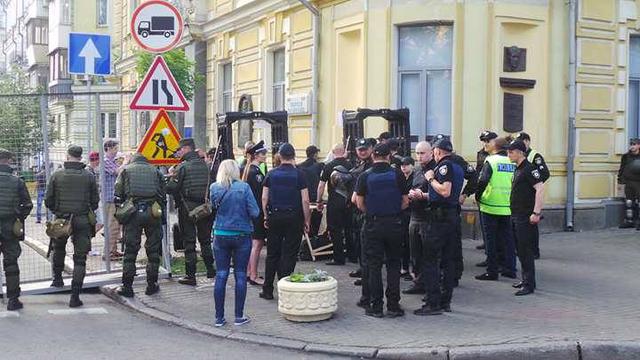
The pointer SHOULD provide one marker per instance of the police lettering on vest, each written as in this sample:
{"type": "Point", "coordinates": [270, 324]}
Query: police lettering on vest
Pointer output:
{"type": "Point", "coordinates": [495, 198]}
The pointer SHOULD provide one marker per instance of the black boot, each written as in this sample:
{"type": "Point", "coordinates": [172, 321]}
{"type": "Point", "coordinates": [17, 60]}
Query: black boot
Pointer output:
{"type": "Point", "coordinates": [126, 291]}
{"type": "Point", "coordinates": [211, 272]}
{"type": "Point", "coordinates": [14, 304]}
{"type": "Point", "coordinates": [57, 281]}
{"type": "Point", "coordinates": [188, 280]}
{"type": "Point", "coordinates": [75, 302]}
{"type": "Point", "coordinates": [152, 288]}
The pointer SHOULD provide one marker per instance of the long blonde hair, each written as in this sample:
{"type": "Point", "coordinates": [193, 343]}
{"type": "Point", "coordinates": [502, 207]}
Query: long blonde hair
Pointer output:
{"type": "Point", "coordinates": [228, 172]}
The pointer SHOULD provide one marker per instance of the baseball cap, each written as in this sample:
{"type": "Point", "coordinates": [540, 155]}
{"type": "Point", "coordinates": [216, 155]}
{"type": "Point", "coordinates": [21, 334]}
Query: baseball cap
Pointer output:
{"type": "Point", "coordinates": [443, 144]}
{"type": "Point", "coordinates": [364, 143]}
{"type": "Point", "coordinates": [286, 150]}
{"type": "Point", "coordinates": [634, 141]}
{"type": "Point", "coordinates": [407, 160]}
{"type": "Point", "coordinates": [523, 136]}
{"type": "Point", "coordinates": [93, 156]}
{"type": "Point", "coordinates": [487, 135]}
{"type": "Point", "coordinates": [381, 149]}
{"type": "Point", "coordinates": [518, 144]}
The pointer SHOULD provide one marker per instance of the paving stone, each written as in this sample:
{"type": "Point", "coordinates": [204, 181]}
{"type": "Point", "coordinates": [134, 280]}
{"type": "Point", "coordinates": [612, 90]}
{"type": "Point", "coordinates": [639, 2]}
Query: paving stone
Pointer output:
{"type": "Point", "coordinates": [554, 351]}
{"type": "Point", "coordinates": [592, 350]}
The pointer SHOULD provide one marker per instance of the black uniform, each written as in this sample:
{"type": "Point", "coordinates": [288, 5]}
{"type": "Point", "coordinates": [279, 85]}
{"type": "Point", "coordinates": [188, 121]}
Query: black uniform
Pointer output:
{"type": "Point", "coordinates": [285, 218]}
{"type": "Point", "coordinates": [406, 219]}
{"type": "Point", "coordinates": [471, 175]}
{"type": "Point", "coordinates": [629, 175]}
{"type": "Point", "coordinates": [523, 196]}
{"type": "Point", "coordinates": [442, 236]}
{"type": "Point", "coordinates": [255, 179]}
{"type": "Point", "coordinates": [383, 188]}
{"type": "Point", "coordinates": [338, 209]}
{"type": "Point", "coordinates": [357, 230]}
{"type": "Point", "coordinates": [481, 156]}
{"type": "Point", "coordinates": [418, 224]}
{"type": "Point", "coordinates": [538, 162]}
{"type": "Point", "coordinates": [312, 169]}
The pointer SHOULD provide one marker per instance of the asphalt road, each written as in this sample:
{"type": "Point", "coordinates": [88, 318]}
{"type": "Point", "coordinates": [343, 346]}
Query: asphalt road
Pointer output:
{"type": "Point", "coordinates": [46, 329]}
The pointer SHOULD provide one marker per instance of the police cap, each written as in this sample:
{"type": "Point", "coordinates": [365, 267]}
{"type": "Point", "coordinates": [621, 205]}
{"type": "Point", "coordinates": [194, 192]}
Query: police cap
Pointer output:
{"type": "Point", "coordinates": [443, 144]}
{"type": "Point", "coordinates": [6, 155]}
{"type": "Point", "coordinates": [518, 144]}
{"type": "Point", "coordinates": [187, 142]}
{"type": "Point", "coordinates": [487, 136]}
{"type": "Point", "coordinates": [523, 136]}
{"type": "Point", "coordinates": [75, 151]}
{"type": "Point", "coordinates": [259, 147]}
{"type": "Point", "coordinates": [364, 143]}
{"type": "Point", "coordinates": [381, 149]}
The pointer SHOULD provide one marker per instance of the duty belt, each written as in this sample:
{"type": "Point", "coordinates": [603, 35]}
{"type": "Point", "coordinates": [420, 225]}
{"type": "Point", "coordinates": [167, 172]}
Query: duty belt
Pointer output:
{"type": "Point", "coordinates": [382, 217]}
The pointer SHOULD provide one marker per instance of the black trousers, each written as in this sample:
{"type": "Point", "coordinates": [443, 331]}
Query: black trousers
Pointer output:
{"type": "Point", "coordinates": [439, 271]}
{"type": "Point", "coordinates": [383, 244]}
{"type": "Point", "coordinates": [524, 233]}
{"type": "Point", "coordinates": [405, 256]}
{"type": "Point", "coordinates": [283, 244]}
{"type": "Point", "coordinates": [337, 217]}
{"type": "Point", "coordinates": [190, 232]}
{"type": "Point", "coordinates": [417, 236]}
{"type": "Point", "coordinates": [458, 259]}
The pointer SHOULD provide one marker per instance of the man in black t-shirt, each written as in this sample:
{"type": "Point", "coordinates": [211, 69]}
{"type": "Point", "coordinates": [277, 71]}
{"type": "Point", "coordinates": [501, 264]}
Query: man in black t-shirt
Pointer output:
{"type": "Point", "coordinates": [312, 169]}
{"type": "Point", "coordinates": [335, 176]}
{"type": "Point", "coordinates": [527, 194]}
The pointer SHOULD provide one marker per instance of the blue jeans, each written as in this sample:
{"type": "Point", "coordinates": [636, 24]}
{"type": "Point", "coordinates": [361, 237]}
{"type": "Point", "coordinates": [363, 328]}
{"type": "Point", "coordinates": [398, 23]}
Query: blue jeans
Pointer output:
{"type": "Point", "coordinates": [39, 204]}
{"type": "Point", "coordinates": [498, 236]}
{"type": "Point", "coordinates": [224, 247]}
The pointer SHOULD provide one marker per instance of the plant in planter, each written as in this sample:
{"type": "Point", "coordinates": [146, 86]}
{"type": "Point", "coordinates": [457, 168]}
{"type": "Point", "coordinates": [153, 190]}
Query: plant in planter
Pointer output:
{"type": "Point", "coordinates": [308, 297]}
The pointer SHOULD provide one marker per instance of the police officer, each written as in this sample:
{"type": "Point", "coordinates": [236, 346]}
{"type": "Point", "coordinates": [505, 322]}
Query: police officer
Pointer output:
{"type": "Point", "coordinates": [142, 184]}
{"type": "Point", "coordinates": [381, 194]}
{"type": "Point", "coordinates": [527, 195]}
{"type": "Point", "coordinates": [493, 195]}
{"type": "Point", "coordinates": [336, 178]}
{"type": "Point", "coordinates": [537, 160]}
{"type": "Point", "coordinates": [445, 187]}
{"type": "Point", "coordinates": [485, 137]}
{"type": "Point", "coordinates": [629, 175]}
{"type": "Point", "coordinates": [418, 223]}
{"type": "Point", "coordinates": [471, 176]}
{"type": "Point", "coordinates": [364, 149]}
{"type": "Point", "coordinates": [72, 194]}
{"type": "Point", "coordinates": [15, 206]}
{"type": "Point", "coordinates": [256, 155]}
{"type": "Point", "coordinates": [188, 184]}
{"type": "Point", "coordinates": [285, 203]}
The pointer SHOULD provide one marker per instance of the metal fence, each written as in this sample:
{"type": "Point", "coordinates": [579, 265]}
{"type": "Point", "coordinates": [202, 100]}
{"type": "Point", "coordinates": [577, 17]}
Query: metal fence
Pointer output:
{"type": "Point", "coordinates": [38, 128]}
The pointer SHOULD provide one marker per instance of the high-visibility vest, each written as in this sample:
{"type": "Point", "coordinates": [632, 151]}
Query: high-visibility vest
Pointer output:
{"type": "Point", "coordinates": [532, 154]}
{"type": "Point", "coordinates": [495, 199]}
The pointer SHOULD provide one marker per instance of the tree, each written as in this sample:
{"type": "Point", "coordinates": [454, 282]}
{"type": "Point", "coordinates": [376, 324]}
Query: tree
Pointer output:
{"type": "Point", "coordinates": [180, 66]}
{"type": "Point", "coordinates": [20, 116]}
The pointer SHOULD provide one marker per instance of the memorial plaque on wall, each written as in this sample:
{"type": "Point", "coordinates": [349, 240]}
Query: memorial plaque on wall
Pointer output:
{"type": "Point", "coordinates": [512, 112]}
{"type": "Point", "coordinates": [515, 59]}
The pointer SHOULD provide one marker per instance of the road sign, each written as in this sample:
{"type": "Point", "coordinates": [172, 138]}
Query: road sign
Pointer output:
{"type": "Point", "coordinates": [156, 26]}
{"type": "Point", "coordinates": [161, 141]}
{"type": "Point", "coordinates": [89, 54]}
{"type": "Point", "coordinates": [159, 90]}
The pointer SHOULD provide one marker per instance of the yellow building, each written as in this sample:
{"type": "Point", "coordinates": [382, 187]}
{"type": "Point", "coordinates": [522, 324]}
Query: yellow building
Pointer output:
{"type": "Point", "coordinates": [459, 66]}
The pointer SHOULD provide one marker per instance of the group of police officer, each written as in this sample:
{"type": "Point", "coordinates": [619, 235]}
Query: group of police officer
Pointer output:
{"type": "Point", "coordinates": [367, 201]}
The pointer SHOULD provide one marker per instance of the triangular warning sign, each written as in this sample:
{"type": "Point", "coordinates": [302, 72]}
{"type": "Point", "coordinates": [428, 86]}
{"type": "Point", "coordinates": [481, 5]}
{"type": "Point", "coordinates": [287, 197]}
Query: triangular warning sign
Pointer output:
{"type": "Point", "coordinates": [159, 90]}
{"type": "Point", "coordinates": [161, 141]}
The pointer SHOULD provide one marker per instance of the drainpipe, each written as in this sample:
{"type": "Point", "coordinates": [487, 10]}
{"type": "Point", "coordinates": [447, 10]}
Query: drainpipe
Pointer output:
{"type": "Point", "coordinates": [314, 69]}
{"type": "Point", "coordinates": [571, 130]}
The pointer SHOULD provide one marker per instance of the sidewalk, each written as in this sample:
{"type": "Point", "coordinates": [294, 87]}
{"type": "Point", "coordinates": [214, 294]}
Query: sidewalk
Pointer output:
{"type": "Point", "coordinates": [588, 294]}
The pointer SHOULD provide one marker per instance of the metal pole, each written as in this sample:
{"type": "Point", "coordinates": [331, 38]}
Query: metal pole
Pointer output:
{"type": "Point", "coordinates": [166, 250]}
{"type": "Point", "coordinates": [571, 126]}
{"type": "Point", "coordinates": [103, 192]}
{"type": "Point", "coordinates": [89, 115]}
{"type": "Point", "coordinates": [44, 109]}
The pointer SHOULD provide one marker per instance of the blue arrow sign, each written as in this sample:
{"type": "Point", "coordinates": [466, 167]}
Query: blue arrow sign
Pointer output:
{"type": "Point", "coordinates": [89, 54]}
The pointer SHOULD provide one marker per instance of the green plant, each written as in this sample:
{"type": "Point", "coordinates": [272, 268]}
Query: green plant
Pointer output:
{"type": "Point", "coordinates": [315, 276]}
{"type": "Point", "coordinates": [181, 67]}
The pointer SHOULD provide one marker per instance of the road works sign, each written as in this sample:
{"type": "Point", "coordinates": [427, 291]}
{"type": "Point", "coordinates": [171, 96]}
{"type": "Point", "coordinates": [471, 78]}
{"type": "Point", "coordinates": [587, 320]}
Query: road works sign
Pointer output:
{"type": "Point", "coordinates": [89, 54]}
{"type": "Point", "coordinates": [156, 26]}
{"type": "Point", "coordinates": [161, 141]}
{"type": "Point", "coordinates": [159, 90]}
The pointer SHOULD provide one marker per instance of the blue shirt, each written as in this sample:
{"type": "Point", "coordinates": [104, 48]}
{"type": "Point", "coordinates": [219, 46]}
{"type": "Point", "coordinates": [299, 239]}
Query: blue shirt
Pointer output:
{"type": "Point", "coordinates": [285, 183]}
{"type": "Point", "coordinates": [236, 207]}
{"type": "Point", "coordinates": [447, 171]}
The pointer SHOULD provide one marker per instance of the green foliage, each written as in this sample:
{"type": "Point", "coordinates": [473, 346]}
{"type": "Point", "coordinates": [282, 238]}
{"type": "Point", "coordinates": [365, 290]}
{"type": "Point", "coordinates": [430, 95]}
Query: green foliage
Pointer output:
{"type": "Point", "coordinates": [181, 67]}
{"type": "Point", "coordinates": [20, 117]}
{"type": "Point", "coordinates": [315, 276]}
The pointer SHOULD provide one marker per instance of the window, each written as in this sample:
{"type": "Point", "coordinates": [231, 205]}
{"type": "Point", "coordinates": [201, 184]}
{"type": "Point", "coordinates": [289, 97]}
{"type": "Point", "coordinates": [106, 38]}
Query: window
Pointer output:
{"type": "Point", "coordinates": [278, 80]}
{"type": "Point", "coordinates": [58, 65]}
{"type": "Point", "coordinates": [103, 13]}
{"type": "Point", "coordinates": [37, 32]}
{"type": "Point", "coordinates": [227, 88]}
{"type": "Point", "coordinates": [109, 123]}
{"type": "Point", "coordinates": [424, 78]}
{"type": "Point", "coordinates": [633, 112]}
{"type": "Point", "coordinates": [66, 11]}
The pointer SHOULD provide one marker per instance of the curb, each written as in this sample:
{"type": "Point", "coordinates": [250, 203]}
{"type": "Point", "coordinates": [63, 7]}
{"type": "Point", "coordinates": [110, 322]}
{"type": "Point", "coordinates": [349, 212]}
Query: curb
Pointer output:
{"type": "Point", "coordinates": [557, 350]}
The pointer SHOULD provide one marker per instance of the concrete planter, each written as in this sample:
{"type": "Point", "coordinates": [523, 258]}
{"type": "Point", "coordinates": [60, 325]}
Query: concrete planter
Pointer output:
{"type": "Point", "coordinates": [307, 302]}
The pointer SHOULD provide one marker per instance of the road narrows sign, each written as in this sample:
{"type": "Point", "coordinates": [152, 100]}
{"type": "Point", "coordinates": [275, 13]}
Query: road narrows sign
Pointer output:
{"type": "Point", "coordinates": [160, 143]}
{"type": "Point", "coordinates": [156, 26]}
{"type": "Point", "coordinates": [159, 90]}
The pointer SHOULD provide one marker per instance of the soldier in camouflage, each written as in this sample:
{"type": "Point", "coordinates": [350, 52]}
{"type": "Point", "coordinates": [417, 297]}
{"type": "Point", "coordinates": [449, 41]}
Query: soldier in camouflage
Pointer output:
{"type": "Point", "coordinates": [72, 193]}
{"type": "Point", "coordinates": [143, 184]}
{"type": "Point", "coordinates": [15, 206]}
{"type": "Point", "coordinates": [188, 184]}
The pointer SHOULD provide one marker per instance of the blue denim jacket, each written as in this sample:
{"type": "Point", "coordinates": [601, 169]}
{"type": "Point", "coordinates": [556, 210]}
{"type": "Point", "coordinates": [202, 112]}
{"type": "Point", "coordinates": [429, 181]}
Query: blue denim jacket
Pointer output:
{"type": "Point", "coordinates": [238, 208]}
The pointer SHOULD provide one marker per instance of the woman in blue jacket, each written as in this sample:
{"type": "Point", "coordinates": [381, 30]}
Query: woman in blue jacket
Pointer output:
{"type": "Point", "coordinates": [236, 208]}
